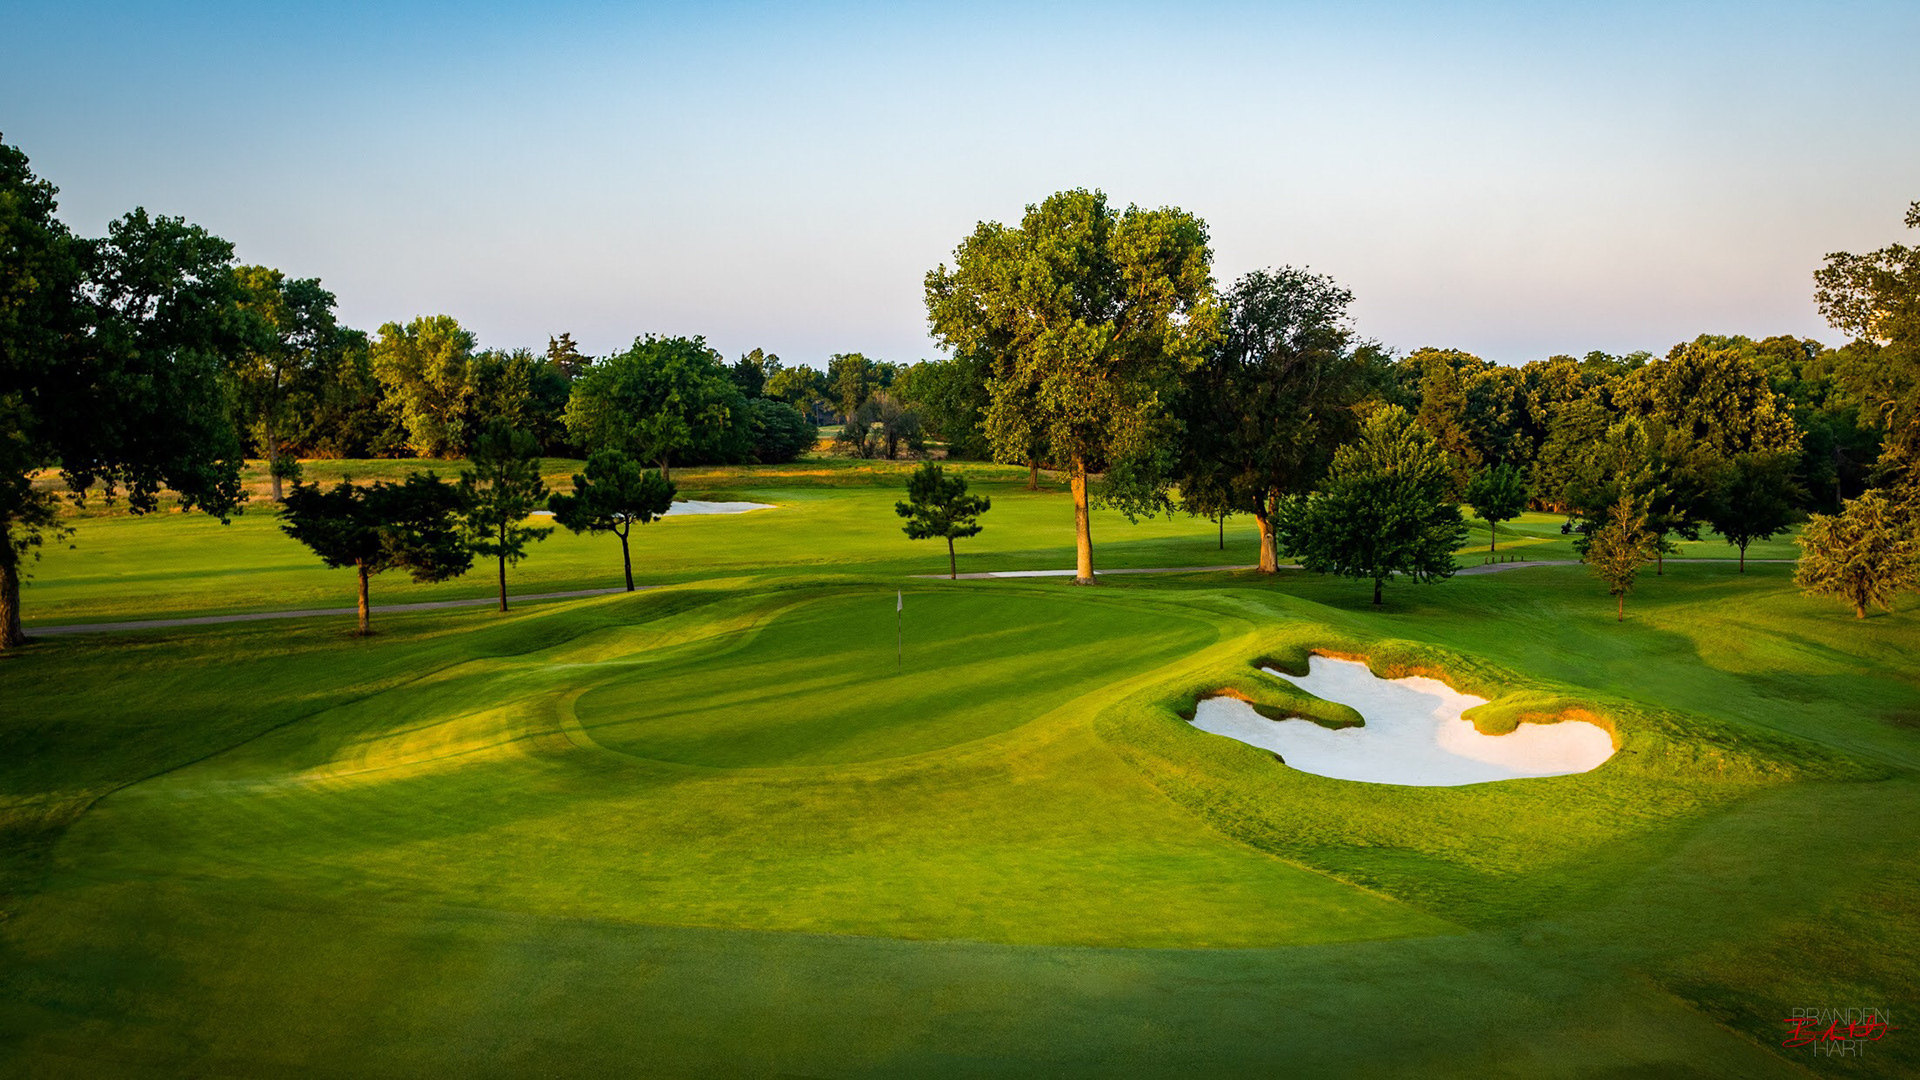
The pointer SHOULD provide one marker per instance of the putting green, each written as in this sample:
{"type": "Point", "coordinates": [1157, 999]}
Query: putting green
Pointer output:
{"type": "Point", "coordinates": [818, 683]}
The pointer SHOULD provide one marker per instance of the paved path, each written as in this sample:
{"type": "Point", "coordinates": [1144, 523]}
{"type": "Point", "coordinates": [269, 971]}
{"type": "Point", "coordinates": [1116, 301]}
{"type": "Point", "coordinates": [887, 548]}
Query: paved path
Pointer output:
{"type": "Point", "coordinates": [1495, 568]}
{"type": "Point", "coordinates": [314, 613]}
{"type": "Point", "coordinates": [1096, 573]}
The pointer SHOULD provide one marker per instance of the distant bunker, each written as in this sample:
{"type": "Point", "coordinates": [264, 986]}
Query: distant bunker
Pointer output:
{"type": "Point", "coordinates": [1414, 734]}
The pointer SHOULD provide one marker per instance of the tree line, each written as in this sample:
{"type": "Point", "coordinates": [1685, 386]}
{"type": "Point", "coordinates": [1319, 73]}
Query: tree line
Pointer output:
{"type": "Point", "coordinates": [1086, 339]}
{"type": "Point", "coordinates": [1095, 342]}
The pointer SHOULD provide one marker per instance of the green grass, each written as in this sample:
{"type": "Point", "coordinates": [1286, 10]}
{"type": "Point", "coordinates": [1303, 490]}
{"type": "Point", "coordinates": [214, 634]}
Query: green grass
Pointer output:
{"type": "Point", "coordinates": [712, 828]}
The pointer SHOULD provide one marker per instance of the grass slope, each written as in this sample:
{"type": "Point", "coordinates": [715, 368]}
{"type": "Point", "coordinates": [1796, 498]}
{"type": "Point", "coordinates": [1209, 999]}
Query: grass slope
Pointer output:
{"type": "Point", "coordinates": [709, 828]}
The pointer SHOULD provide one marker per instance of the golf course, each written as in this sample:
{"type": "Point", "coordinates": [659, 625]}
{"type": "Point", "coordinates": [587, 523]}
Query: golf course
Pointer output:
{"type": "Point", "coordinates": [802, 806]}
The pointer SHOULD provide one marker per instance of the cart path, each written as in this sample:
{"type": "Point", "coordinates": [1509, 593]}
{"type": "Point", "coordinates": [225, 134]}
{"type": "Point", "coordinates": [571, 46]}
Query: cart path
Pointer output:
{"type": "Point", "coordinates": [316, 613]}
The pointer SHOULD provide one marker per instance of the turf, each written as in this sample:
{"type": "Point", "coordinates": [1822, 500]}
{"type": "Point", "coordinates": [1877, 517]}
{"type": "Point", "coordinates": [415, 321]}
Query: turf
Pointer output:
{"type": "Point", "coordinates": [715, 828]}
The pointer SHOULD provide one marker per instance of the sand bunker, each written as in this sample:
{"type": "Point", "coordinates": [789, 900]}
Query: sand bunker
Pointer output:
{"type": "Point", "coordinates": [1413, 734]}
{"type": "Point", "coordinates": [695, 506]}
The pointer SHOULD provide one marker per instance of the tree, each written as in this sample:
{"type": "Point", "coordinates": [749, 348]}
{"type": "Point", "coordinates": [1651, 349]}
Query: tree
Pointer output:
{"type": "Point", "coordinates": [802, 387]}
{"type": "Point", "coordinates": [899, 425]}
{"type": "Point", "coordinates": [502, 488]}
{"type": "Point", "coordinates": [563, 354]}
{"type": "Point", "coordinates": [289, 336]}
{"type": "Point", "coordinates": [781, 432]}
{"type": "Point", "coordinates": [852, 377]}
{"type": "Point", "coordinates": [1384, 509]}
{"type": "Point", "coordinates": [938, 507]}
{"type": "Point", "coordinates": [1875, 298]}
{"type": "Point", "coordinates": [663, 399]}
{"type": "Point", "coordinates": [1865, 554]}
{"type": "Point", "coordinates": [612, 495]}
{"type": "Point", "coordinates": [1443, 410]}
{"type": "Point", "coordinates": [1093, 317]}
{"type": "Point", "coordinates": [412, 526]}
{"type": "Point", "coordinates": [1265, 411]}
{"type": "Point", "coordinates": [949, 395]}
{"type": "Point", "coordinates": [1619, 548]}
{"type": "Point", "coordinates": [424, 368]}
{"type": "Point", "coordinates": [750, 372]}
{"type": "Point", "coordinates": [110, 368]}
{"type": "Point", "coordinates": [1754, 499]}
{"type": "Point", "coordinates": [1497, 494]}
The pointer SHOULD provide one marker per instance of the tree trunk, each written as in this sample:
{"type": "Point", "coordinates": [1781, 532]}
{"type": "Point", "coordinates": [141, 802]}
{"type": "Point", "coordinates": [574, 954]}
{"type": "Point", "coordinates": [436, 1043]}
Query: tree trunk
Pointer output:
{"type": "Point", "coordinates": [11, 635]}
{"type": "Point", "coordinates": [1859, 610]}
{"type": "Point", "coordinates": [1376, 592]}
{"type": "Point", "coordinates": [273, 460]}
{"type": "Point", "coordinates": [1033, 475]}
{"type": "Point", "coordinates": [1082, 528]}
{"type": "Point", "coordinates": [1620, 608]}
{"type": "Point", "coordinates": [1743, 558]}
{"type": "Point", "coordinates": [1223, 532]}
{"type": "Point", "coordinates": [1269, 551]}
{"type": "Point", "coordinates": [666, 468]}
{"type": "Point", "coordinates": [626, 557]}
{"type": "Point", "coordinates": [1660, 560]}
{"type": "Point", "coordinates": [366, 626]}
{"type": "Point", "coordinates": [1493, 535]}
{"type": "Point", "coordinates": [953, 568]}
{"type": "Point", "coordinates": [503, 583]}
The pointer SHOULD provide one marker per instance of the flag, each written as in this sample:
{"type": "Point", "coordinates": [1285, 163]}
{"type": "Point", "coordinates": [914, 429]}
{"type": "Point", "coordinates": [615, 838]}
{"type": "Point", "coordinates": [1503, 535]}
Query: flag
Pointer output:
{"type": "Point", "coordinates": [899, 601]}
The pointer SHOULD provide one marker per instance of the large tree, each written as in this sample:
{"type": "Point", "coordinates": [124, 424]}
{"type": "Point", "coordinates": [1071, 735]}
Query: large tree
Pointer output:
{"type": "Point", "coordinates": [110, 368]}
{"type": "Point", "coordinates": [939, 508]}
{"type": "Point", "coordinates": [1866, 554]}
{"type": "Point", "coordinates": [1265, 411]}
{"type": "Point", "coordinates": [289, 339]}
{"type": "Point", "coordinates": [1385, 508]}
{"type": "Point", "coordinates": [613, 495]}
{"type": "Point", "coordinates": [1875, 299]}
{"type": "Point", "coordinates": [424, 368]}
{"type": "Point", "coordinates": [412, 526]}
{"type": "Point", "coordinates": [1093, 316]}
{"type": "Point", "coordinates": [664, 399]}
{"type": "Point", "coordinates": [499, 492]}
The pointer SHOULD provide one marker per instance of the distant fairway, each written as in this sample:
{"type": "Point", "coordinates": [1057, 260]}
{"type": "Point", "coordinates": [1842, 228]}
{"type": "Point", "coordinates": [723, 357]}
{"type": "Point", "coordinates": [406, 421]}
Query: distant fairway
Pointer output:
{"type": "Point", "coordinates": [710, 828]}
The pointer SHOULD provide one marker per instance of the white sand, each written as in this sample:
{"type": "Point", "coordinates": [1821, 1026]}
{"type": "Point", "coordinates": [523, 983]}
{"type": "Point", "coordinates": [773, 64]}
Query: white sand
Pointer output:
{"type": "Point", "coordinates": [695, 506]}
{"type": "Point", "coordinates": [689, 507]}
{"type": "Point", "coordinates": [1414, 734]}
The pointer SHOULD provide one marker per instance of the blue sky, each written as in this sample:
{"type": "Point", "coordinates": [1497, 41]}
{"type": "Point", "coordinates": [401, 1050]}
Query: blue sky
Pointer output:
{"type": "Point", "coordinates": [1513, 179]}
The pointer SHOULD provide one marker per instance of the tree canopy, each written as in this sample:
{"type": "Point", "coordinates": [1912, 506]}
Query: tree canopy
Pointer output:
{"type": "Point", "coordinates": [612, 495]}
{"type": "Point", "coordinates": [939, 508]}
{"type": "Point", "coordinates": [1384, 509]}
{"type": "Point", "coordinates": [412, 526]}
{"type": "Point", "coordinates": [497, 494]}
{"type": "Point", "coordinates": [1619, 548]}
{"type": "Point", "coordinates": [1497, 494]}
{"type": "Point", "coordinates": [663, 399]}
{"type": "Point", "coordinates": [1866, 554]}
{"type": "Point", "coordinates": [1091, 316]}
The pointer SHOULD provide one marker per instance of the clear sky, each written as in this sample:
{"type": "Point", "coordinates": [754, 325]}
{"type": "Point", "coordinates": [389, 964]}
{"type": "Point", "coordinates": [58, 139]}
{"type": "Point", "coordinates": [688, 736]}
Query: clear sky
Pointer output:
{"type": "Point", "coordinates": [1512, 179]}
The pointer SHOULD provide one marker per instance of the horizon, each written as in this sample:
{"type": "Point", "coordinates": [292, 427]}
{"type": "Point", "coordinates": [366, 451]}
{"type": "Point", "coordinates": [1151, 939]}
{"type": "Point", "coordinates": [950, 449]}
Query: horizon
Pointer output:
{"type": "Point", "coordinates": [1511, 182]}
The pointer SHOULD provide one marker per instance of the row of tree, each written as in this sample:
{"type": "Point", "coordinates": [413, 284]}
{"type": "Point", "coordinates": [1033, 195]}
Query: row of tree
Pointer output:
{"type": "Point", "coordinates": [1095, 342]}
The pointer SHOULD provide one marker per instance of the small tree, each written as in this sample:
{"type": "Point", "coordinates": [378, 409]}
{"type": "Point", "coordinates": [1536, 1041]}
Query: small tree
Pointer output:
{"type": "Point", "coordinates": [1383, 510]}
{"type": "Point", "coordinates": [1753, 499]}
{"type": "Point", "coordinates": [1619, 548]}
{"type": "Point", "coordinates": [412, 526]}
{"type": "Point", "coordinates": [1497, 494]}
{"type": "Point", "coordinates": [938, 506]}
{"type": "Point", "coordinates": [613, 494]}
{"type": "Point", "coordinates": [501, 489]}
{"type": "Point", "coordinates": [1863, 554]}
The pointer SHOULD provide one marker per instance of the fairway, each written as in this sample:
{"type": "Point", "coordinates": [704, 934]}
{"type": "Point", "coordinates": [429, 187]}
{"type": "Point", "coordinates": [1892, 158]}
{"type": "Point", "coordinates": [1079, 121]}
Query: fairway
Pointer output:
{"type": "Point", "coordinates": [591, 834]}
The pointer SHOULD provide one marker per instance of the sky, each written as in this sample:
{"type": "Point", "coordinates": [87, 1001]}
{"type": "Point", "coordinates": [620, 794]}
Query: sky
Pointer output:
{"type": "Point", "coordinates": [1516, 180]}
